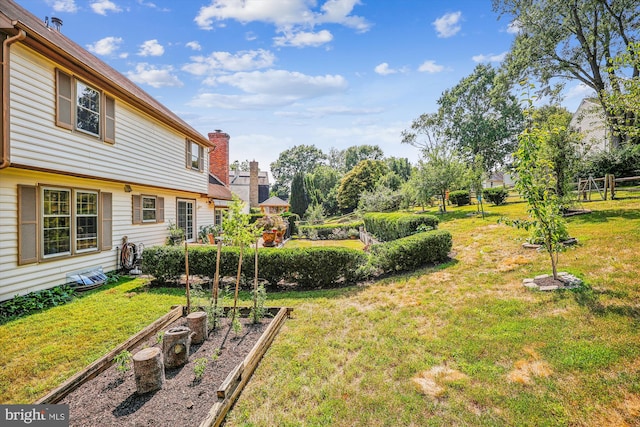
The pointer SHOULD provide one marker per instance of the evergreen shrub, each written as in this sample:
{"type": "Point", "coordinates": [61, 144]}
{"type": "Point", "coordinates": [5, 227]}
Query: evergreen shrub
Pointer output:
{"type": "Point", "coordinates": [460, 197]}
{"type": "Point", "coordinates": [328, 231]}
{"type": "Point", "coordinates": [412, 252]}
{"type": "Point", "coordinates": [396, 225]}
{"type": "Point", "coordinates": [496, 195]}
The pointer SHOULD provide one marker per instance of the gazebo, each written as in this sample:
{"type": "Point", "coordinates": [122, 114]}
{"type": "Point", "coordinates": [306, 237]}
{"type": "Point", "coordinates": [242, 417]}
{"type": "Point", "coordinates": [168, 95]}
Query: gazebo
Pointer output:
{"type": "Point", "coordinates": [274, 205]}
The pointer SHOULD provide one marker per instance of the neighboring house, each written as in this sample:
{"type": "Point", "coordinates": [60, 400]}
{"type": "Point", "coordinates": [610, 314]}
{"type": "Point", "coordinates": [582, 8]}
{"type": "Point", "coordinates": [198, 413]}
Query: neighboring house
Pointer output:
{"type": "Point", "coordinates": [87, 159]}
{"type": "Point", "coordinates": [251, 186]}
{"type": "Point", "coordinates": [590, 121]}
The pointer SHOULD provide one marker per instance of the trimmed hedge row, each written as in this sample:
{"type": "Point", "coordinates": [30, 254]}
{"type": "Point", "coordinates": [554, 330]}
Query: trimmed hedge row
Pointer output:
{"type": "Point", "coordinates": [308, 267]}
{"type": "Point", "coordinates": [396, 225]}
{"type": "Point", "coordinates": [409, 253]}
{"type": "Point", "coordinates": [328, 231]}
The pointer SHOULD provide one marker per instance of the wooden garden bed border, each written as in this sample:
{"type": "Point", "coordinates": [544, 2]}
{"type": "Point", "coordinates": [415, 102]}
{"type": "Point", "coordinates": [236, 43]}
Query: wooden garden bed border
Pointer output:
{"type": "Point", "coordinates": [232, 386]}
{"type": "Point", "coordinates": [229, 390]}
{"type": "Point", "coordinates": [106, 361]}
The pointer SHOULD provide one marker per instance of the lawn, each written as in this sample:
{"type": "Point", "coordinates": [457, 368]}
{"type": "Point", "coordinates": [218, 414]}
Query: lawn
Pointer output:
{"type": "Point", "coordinates": [462, 343]}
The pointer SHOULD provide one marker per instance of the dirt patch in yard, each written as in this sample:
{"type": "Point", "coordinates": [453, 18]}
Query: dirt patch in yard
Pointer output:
{"type": "Point", "coordinates": [110, 399]}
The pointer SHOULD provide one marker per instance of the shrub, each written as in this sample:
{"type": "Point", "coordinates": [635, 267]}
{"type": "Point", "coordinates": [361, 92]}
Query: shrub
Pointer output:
{"type": "Point", "coordinates": [497, 195]}
{"type": "Point", "coordinates": [396, 225]}
{"type": "Point", "coordinates": [328, 231]}
{"type": "Point", "coordinates": [460, 197]}
{"type": "Point", "coordinates": [309, 267]}
{"type": "Point", "coordinates": [24, 304]}
{"type": "Point", "coordinates": [412, 252]}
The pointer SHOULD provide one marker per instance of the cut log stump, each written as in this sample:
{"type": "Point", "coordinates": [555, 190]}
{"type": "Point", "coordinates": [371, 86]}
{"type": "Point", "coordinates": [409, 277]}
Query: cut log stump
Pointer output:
{"type": "Point", "coordinates": [175, 346]}
{"type": "Point", "coordinates": [148, 370]}
{"type": "Point", "coordinates": [197, 322]}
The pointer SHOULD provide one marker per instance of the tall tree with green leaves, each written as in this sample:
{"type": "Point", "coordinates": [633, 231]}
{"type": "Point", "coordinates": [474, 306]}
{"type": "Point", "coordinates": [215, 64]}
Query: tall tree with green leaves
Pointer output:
{"type": "Point", "coordinates": [363, 177]}
{"type": "Point", "coordinates": [442, 170]}
{"type": "Point", "coordinates": [299, 202]}
{"type": "Point", "coordinates": [560, 40]}
{"type": "Point", "coordinates": [480, 116]}
{"type": "Point", "coordinates": [300, 158]}
{"type": "Point", "coordinates": [357, 153]}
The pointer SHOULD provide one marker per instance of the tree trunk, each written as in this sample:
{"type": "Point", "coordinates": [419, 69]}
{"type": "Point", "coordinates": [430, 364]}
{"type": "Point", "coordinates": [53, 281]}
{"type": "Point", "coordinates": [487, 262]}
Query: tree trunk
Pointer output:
{"type": "Point", "coordinates": [148, 370]}
{"type": "Point", "coordinates": [175, 346]}
{"type": "Point", "coordinates": [197, 322]}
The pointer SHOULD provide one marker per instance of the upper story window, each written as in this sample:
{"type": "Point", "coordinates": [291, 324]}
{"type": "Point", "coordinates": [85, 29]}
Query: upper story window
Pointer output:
{"type": "Point", "coordinates": [87, 109]}
{"type": "Point", "coordinates": [84, 108]}
{"type": "Point", "coordinates": [194, 156]}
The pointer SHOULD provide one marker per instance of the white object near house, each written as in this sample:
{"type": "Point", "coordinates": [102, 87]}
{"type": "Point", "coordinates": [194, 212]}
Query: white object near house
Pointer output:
{"type": "Point", "coordinates": [87, 158]}
{"type": "Point", "coordinates": [589, 120]}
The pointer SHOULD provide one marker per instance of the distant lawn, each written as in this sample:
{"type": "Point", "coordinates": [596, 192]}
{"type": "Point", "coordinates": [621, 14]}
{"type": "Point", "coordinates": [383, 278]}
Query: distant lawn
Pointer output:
{"type": "Point", "coordinates": [305, 243]}
{"type": "Point", "coordinates": [462, 343]}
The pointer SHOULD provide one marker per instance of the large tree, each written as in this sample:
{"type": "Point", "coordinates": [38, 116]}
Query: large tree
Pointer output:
{"type": "Point", "coordinates": [357, 153]}
{"type": "Point", "coordinates": [299, 198]}
{"type": "Point", "coordinates": [575, 40]}
{"type": "Point", "coordinates": [297, 159]}
{"type": "Point", "coordinates": [481, 116]}
{"type": "Point", "coordinates": [363, 177]}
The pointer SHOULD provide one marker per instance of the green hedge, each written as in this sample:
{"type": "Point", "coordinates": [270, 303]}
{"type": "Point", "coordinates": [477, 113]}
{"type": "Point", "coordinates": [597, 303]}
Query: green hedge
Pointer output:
{"type": "Point", "coordinates": [497, 195]}
{"type": "Point", "coordinates": [412, 252]}
{"type": "Point", "coordinates": [460, 197]}
{"type": "Point", "coordinates": [328, 231]}
{"type": "Point", "coordinates": [308, 267]}
{"type": "Point", "coordinates": [396, 225]}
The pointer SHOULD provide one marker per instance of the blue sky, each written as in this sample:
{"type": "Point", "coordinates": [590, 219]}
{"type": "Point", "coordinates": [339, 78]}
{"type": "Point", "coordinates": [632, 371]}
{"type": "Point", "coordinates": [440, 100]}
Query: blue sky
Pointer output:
{"type": "Point", "coordinates": [279, 73]}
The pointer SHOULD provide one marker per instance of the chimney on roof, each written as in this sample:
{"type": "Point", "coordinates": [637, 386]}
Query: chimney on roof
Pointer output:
{"type": "Point", "coordinates": [253, 184]}
{"type": "Point", "coordinates": [56, 23]}
{"type": "Point", "coordinates": [219, 156]}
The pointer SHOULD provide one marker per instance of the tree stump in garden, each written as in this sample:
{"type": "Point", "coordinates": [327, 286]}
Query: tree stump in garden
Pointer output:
{"type": "Point", "coordinates": [197, 322]}
{"type": "Point", "coordinates": [148, 370]}
{"type": "Point", "coordinates": [175, 346]}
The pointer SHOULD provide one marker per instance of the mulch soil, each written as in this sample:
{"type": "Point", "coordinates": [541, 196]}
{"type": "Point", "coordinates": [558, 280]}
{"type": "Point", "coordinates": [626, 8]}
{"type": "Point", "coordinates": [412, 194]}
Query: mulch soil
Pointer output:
{"type": "Point", "coordinates": [110, 399]}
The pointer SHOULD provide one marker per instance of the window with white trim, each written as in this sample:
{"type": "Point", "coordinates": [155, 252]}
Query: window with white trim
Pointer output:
{"type": "Point", "coordinates": [69, 221]}
{"type": "Point", "coordinates": [194, 156]}
{"type": "Point", "coordinates": [148, 209]}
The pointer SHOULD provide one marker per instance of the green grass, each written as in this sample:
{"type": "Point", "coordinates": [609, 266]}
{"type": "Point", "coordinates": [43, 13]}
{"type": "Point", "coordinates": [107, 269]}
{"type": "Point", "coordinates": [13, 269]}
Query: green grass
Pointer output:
{"type": "Point", "coordinates": [463, 343]}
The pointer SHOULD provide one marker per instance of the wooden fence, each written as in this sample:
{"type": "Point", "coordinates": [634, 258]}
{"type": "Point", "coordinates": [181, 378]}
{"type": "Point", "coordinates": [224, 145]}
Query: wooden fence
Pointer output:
{"type": "Point", "coordinates": [605, 187]}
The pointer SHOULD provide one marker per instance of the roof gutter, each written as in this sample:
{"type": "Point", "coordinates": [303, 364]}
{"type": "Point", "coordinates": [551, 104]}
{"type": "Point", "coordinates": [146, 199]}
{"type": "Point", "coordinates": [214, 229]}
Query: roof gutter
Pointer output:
{"type": "Point", "coordinates": [5, 161]}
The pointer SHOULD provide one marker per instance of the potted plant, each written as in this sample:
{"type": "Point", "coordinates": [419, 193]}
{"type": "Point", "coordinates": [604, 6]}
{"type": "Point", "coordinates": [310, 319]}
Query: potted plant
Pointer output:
{"type": "Point", "coordinates": [271, 226]}
{"type": "Point", "coordinates": [176, 234]}
{"type": "Point", "coordinates": [353, 233]}
{"type": "Point", "coordinates": [208, 233]}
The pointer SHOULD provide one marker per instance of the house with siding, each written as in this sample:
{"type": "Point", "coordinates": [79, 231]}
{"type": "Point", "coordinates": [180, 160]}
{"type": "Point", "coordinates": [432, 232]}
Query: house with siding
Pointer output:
{"type": "Point", "coordinates": [87, 159]}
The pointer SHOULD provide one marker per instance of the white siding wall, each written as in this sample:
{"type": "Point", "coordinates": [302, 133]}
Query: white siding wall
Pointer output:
{"type": "Point", "coordinates": [146, 152]}
{"type": "Point", "coordinates": [15, 279]}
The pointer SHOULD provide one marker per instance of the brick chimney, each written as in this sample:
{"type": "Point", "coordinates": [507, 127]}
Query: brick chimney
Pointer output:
{"type": "Point", "coordinates": [253, 184]}
{"type": "Point", "coordinates": [219, 156]}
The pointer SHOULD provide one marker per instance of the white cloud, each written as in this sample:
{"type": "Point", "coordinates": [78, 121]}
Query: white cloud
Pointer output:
{"type": "Point", "coordinates": [430, 66]}
{"type": "Point", "coordinates": [151, 48]}
{"type": "Point", "coordinates": [101, 7]}
{"type": "Point", "coordinates": [448, 24]}
{"type": "Point", "coordinates": [105, 46]}
{"type": "Point", "coordinates": [270, 88]}
{"type": "Point", "coordinates": [194, 45]}
{"type": "Point", "coordinates": [303, 38]}
{"type": "Point", "coordinates": [514, 27]}
{"type": "Point", "coordinates": [226, 61]}
{"type": "Point", "coordinates": [579, 91]}
{"type": "Point", "coordinates": [287, 83]}
{"type": "Point", "coordinates": [384, 69]}
{"type": "Point", "coordinates": [155, 77]}
{"type": "Point", "coordinates": [489, 58]}
{"type": "Point", "coordinates": [281, 13]}
{"type": "Point", "coordinates": [63, 5]}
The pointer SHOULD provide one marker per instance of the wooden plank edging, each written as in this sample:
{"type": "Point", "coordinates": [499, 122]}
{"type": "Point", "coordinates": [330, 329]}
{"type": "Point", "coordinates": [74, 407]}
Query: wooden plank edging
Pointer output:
{"type": "Point", "coordinates": [219, 410]}
{"type": "Point", "coordinates": [106, 361]}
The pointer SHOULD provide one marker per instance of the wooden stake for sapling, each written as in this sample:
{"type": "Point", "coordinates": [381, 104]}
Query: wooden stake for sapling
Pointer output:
{"type": "Point", "coordinates": [186, 267]}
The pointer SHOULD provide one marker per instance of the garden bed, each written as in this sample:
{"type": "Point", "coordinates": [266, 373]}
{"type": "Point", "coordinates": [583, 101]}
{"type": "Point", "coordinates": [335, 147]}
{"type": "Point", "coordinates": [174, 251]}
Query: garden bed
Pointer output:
{"type": "Point", "coordinates": [101, 395]}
